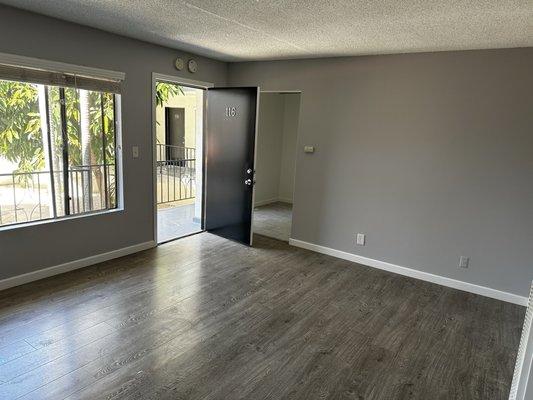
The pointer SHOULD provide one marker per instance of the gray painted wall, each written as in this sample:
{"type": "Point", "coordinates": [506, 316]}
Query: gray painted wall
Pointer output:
{"type": "Point", "coordinates": [28, 249]}
{"type": "Point", "coordinates": [430, 155]}
{"type": "Point", "coordinates": [288, 147]}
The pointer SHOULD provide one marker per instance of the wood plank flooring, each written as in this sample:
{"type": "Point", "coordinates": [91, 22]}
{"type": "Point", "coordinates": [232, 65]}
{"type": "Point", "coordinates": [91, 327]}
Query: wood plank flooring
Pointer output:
{"type": "Point", "coordinates": [206, 318]}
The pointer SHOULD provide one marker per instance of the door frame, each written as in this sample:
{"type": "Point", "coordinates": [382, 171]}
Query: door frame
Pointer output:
{"type": "Point", "coordinates": [157, 77]}
{"type": "Point", "coordinates": [258, 99]}
{"type": "Point", "coordinates": [298, 135]}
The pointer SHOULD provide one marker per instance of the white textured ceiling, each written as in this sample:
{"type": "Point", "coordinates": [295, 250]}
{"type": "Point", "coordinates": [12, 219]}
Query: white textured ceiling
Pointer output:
{"type": "Point", "coordinates": [235, 30]}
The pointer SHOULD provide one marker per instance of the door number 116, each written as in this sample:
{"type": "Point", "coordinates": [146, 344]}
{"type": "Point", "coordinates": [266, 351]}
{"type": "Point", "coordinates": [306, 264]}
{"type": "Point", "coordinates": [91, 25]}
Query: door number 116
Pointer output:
{"type": "Point", "coordinates": [231, 111]}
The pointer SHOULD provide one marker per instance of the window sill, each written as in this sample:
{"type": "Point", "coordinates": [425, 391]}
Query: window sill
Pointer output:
{"type": "Point", "coordinates": [30, 224]}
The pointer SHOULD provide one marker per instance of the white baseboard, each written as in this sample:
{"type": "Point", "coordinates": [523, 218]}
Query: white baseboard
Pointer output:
{"type": "Point", "coordinates": [523, 371]}
{"type": "Point", "coordinates": [414, 273]}
{"type": "Point", "coordinates": [273, 200]}
{"type": "Point", "coordinates": [265, 202]}
{"type": "Point", "coordinates": [72, 265]}
{"type": "Point", "coordinates": [285, 200]}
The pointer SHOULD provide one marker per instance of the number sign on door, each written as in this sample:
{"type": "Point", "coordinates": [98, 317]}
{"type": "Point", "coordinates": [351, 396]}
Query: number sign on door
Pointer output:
{"type": "Point", "coordinates": [231, 111]}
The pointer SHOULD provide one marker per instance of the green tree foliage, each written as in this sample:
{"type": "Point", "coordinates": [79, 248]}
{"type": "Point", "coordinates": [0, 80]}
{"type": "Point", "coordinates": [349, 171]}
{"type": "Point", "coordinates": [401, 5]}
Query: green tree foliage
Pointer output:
{"type": "Point", "coordinates": [73, 115]}
{"type": "Point", "coordinates": [166, 90]}
{"type": "Point", "coordinates": [20, 125]}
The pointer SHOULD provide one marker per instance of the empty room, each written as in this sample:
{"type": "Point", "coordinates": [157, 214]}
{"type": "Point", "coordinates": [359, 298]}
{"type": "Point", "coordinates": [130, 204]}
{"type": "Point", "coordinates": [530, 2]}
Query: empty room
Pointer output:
{"type": "Point", "coordinates": [266, 200]}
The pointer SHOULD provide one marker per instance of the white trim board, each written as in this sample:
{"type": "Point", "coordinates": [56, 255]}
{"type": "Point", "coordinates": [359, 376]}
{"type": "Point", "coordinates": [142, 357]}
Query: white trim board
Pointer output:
{"type": "Point", "coordinates": [178, 80]}
{"type": "Point", "coordinates": [414, 273]}
{"type": "Point", "coordinates": [524, 358]}
{"type": "Point", "coordinates": [270, 201]}
{"type": "Point", "coordinates": [264, 202]}
{"type": "Point", "coordinates": [285, 200]}
{"type": "Point", "coordinates": [72, 265]}
{"type": "Point", "coordinates": [256, 130]}
{"type": "Point", "coordinates": [184, 81]}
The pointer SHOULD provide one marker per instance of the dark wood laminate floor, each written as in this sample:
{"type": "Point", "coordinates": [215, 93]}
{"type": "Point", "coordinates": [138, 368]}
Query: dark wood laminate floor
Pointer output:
{"type": "Point", "coordinates": [205, 318]}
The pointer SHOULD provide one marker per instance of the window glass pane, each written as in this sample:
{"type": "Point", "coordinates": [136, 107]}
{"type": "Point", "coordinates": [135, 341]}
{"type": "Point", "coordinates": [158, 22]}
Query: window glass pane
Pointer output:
{"type": "Point", "coordinates": [97, 151]}
{"type": "Point", "coordinates": [108, 102]}
{"type": "Point", "coordinates": [57, 152]}
{"type": "Point", "coordinates": [24, 181]}
{"type": "Point", "coordinates": [91, 146]}
{"type": "Point", "coordinates": [78, 150]}
{"type": "Point", "coordinates": [91, 150]}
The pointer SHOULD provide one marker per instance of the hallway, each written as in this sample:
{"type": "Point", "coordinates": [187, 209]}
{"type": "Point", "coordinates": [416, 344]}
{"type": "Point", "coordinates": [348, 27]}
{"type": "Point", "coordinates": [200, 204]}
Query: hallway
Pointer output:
{"type": "Point", "coordinates": [274, 220]}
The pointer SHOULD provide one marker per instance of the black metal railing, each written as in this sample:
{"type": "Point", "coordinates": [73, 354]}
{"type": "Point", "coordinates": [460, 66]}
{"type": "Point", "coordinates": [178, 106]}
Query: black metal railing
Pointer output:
{"type": "Point", "coordinates": [92, 179]}
{"type": "Point", "coordinates": [33, 196]}
{"type": "Point", "coordinates": [176, 173]}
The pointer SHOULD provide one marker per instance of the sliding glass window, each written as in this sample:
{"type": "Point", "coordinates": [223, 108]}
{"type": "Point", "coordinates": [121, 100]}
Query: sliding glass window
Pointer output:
{"type": "Point", "coordinates": [58, 145]}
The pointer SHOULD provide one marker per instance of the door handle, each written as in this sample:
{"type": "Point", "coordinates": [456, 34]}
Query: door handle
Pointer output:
{"type": "Point", "coordinates": [248, 182]}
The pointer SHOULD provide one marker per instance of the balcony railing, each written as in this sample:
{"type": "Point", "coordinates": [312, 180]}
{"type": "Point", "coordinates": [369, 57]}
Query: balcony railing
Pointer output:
{"type": "Point", "coordinates": [176, 173]}
{"type": "Point", "coordinates": [33, 196]}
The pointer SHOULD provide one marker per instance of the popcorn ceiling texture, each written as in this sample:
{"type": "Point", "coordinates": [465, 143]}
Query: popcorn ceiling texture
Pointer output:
{"type": "Point", "coordinates": [241, 30]}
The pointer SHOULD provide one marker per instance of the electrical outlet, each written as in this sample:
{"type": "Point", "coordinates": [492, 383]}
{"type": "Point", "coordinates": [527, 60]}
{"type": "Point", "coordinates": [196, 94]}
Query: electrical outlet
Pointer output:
{"type": "Point", "coordinates": [135, 151]}
{"type": "Point", "coordinates": [360, 239]}
{"type": "Point", "coordinates": [463, 262]}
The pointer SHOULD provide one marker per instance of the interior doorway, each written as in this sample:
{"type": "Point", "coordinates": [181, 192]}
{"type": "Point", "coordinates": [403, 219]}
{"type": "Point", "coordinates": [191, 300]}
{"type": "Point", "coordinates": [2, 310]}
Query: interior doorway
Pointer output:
{"type": "Point", "coordinates": [203, 158]}
{"type": "Point", "coordinates": [178, 155]}
{"type": "Point", "coordinates": [276, 163]}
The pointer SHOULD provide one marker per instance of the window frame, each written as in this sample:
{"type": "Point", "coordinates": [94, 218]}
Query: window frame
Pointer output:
{"type": "Point", "coordinates": [97, 73]}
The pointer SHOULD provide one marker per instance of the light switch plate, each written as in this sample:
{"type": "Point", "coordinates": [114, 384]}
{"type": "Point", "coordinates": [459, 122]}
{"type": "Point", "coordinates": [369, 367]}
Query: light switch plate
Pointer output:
{"type": "Point", "coordinates": [135, 151]}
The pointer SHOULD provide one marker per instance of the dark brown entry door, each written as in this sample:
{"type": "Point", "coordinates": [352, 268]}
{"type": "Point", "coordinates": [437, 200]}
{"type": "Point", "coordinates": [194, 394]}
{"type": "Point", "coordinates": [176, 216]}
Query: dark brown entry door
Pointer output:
{"type": "Point", "coordinates": [175, 133]}
{"type": "Point", "coordinates": [230, 156]}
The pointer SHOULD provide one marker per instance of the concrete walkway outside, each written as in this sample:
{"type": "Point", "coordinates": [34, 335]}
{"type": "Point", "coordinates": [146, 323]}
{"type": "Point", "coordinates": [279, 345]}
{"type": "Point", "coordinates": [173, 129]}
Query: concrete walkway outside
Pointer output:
{"type": "Point", "coordinates": [175, 222]}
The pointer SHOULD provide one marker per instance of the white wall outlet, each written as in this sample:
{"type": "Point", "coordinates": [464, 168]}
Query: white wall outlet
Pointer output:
{"type": "Point", "coordinates": [309, 149]}
{"type": "Point", "coordinates": [135, 151]}
{"type": "Point", "coordinates": [463, 262]}
{"type": "Point", "coordinates": [360, 239]}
